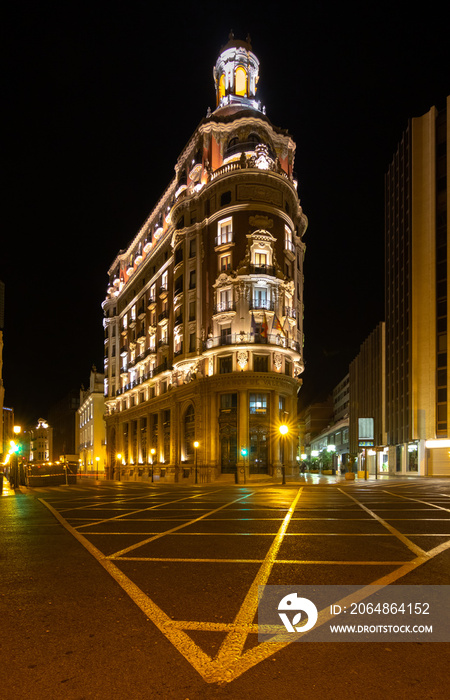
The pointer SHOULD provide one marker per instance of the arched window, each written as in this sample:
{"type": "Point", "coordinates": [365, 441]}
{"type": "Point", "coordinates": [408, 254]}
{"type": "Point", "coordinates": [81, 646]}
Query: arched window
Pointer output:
{"type": "Point", "coordinates": [222, 86]}
{"type": "Point", "coordinates": [240, 81]}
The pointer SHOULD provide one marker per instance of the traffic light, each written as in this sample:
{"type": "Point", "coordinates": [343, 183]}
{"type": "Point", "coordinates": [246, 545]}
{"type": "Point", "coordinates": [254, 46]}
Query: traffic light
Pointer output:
{"type": "Point", "coordinates": [244, 451]}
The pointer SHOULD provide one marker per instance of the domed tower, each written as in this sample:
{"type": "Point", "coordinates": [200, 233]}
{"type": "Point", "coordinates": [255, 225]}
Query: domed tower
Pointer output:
{"type": "Point", "coordinates": [204, 313]}
{"type": "Point", "coordinates": [236, 75]}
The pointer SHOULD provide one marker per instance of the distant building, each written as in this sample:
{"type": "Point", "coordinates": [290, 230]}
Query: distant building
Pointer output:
{"type": "Point", "coordinates": [204, 308]}
{"type": "Point", "coordinates": [41, 442]}
{"type": "Point", "coordinates": [334, 437]}
{"type": "Point", "coordinates": [417, 297]}
{"type": "Point", "coordinates": [61, 417]}
{"type": "Point", "coordinates": [367, 399]}
{"type": "Point", "coordinates": [90, 427]}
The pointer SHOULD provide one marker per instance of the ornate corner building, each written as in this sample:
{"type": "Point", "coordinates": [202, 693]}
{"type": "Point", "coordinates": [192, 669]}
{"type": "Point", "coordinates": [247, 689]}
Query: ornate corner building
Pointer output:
{"type": "Point", "coordinates": [203, 317]}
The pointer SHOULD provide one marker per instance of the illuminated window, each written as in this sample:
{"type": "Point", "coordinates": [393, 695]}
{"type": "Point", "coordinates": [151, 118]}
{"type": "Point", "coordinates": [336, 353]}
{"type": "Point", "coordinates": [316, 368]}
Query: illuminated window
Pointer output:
{"type": "Point", "coordinates": [222, 86]}
{"type": "Point", "coordinates": [225, 262]}
{"type": "Point", "coordinates": [241, 81]}
{"type": "Point", "coordinates": [258, 403]}
{"type": "Point", "coordinates": [225, 231]}
{"type": "Point", "coordinates": [261, 259]}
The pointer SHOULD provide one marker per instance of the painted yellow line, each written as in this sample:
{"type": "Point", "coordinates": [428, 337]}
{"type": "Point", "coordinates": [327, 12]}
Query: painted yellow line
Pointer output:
{"type": "Point", "coordinates": [418, 551]}
{"type": "Point", "coordinates": [231, 648]}
{"type": "Point", "coordinates": [139, 510]}
{"type": "Point", "coordinates": [231, 662]}
{"type": "Point", "coordinates": [174, 529]}
{"type": "Point", "coordinates": [417, 500]}
{"type": "Point", "coordinates": [260, 561]}
{"type": "Point", "coordinates": [264, 650]}
{"type": "Point", "coordinates": [256, 534]}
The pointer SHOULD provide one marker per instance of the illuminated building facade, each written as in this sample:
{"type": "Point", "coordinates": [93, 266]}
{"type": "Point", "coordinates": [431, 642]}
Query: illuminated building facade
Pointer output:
{"type": "Point", "coordinates": [204, 313]}
{"type": "Point", "coordinates": [90, 426]}
{"type": "Point", "coordinates": [417, 298]}
{"type": "Point", "coordinates": [41, 442]}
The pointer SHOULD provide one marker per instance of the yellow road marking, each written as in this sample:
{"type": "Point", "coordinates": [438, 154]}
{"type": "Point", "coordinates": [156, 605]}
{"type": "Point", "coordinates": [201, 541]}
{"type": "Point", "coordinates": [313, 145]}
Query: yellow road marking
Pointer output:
{"type": "Point", "coordinates": [230, 661]}
{"type": "Point", "coordinates": [418, 551]}
{"type": "Point", "coordinates": [139, 510]}
{"type": "Point", "coordinates": [174, 529]}
{"type": "Point", "coordinates": [417, 500]}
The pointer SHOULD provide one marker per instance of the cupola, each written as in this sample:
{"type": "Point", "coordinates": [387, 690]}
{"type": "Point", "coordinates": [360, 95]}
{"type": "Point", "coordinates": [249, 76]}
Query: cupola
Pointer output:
{"type": "Point", "coordinates": [236, 75]}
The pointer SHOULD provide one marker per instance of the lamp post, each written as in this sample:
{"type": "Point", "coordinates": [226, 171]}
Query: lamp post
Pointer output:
{"type": "Point", "coordinates": [196, 446]}
{"type": "Point", "coordinates": [152, 452]}
{"type": "Point", "coordinates": [118, 458]}
{"type": "Point", "coordinates": [284, 429]}
{"type": "Point", "coordinates": [97, 460]}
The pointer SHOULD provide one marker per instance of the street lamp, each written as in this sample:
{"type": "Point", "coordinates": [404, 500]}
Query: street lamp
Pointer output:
{"type": "Point", "coordinates": [118, 459]}
{"type": "Point", "coordinates": [196, 446]}
{"type": "Point", "coordinates": [152, 452]}
{"type": "Point", "coordinates": [284, 429]}
{"type": "Point", "coordinates": [97, 460]}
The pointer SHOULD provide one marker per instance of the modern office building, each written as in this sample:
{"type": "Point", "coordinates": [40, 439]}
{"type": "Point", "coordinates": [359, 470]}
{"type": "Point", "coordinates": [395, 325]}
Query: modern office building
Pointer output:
{"type": "Point", "coordinates": [90, 427]}
{"type": "Point", "coordinates": [367, 392]}
{"type": "Point", "coordinates": [204, 311]}
{"type": "Point", "coordinates": [417, 296]}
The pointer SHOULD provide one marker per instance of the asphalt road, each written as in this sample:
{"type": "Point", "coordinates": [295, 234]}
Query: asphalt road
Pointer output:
{"type": "Point", "coordinates": [132, 591]}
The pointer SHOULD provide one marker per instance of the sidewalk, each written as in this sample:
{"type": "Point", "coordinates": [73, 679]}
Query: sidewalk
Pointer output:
{"type": "Point", "coordinates": [7, 490]}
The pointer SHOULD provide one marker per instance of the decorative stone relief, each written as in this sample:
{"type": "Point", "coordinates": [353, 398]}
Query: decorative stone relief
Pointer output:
{"type": "Point", "coordinates": [242, 358]}
{"type": "Point", "coordinates": [277, 361]}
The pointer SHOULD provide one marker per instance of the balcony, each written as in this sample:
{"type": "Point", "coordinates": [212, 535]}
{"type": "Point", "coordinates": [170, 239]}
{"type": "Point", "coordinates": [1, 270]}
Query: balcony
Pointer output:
{"type": "Point", "coordinates": [262, 270]}
{"type": "Point", "coordinates": [163, 317]}
{"type": "Point", "coordinates": [262, 305]}
{"type": "Point", "coordinates": [246, 147]}
{"type": "Point", "coordinates": [151, 303]}
{"type": "Point", "coordinates": [178, 320]}
{"type": "Point", "coordinates": [224, 239]}
{"type": "Point", "coordinates": [163, 292]}
{"type": "Point", "coordinates": [290, 313]}
{"type": "Point", "coordinates": [141, 312]}
{"type": "Point", "coordinates": [251, 338]}
{"type": "Point", "coordinates": [224, 307]}
{"type": "Point", "coordinates": [289, 246]}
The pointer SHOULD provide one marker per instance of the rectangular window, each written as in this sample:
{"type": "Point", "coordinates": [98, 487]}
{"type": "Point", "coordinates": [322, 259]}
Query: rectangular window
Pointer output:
{"type": "Point", "coordinates": [178, 288]}
{"type": "Point", "coordinates": [192, 279]}
{"type": "Point", "coordinates": [228, 401]}
{"type": "Point", "coordinates": [192, 310]}
{"type": "Point", "coordinates": [225, 262]}
{"type": "Point", "coordinates": [225, 231]}
{"type": "Point", "coordinates": [225, 335]}
{"type": "Point", "coordinates": [261, 259]}
{"type": "Point", "coordinates": [225, 364]}
{"type": "Point", "coordinates": [261, 363]}
{"type": "Point", "coordinates": [192, 248]}
{"type": "Point", "coordinates": [192, 347]}
{"type": "Point", "coordinates": [258, 403]}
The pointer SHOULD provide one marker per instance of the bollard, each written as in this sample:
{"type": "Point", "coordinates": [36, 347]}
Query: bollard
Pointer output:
{"type": "Point", "coordinates": [283, 474]}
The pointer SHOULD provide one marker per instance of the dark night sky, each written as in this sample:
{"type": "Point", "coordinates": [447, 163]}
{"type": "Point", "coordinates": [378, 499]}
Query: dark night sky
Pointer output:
{"type": "Point", "coordinates": [101, 97]}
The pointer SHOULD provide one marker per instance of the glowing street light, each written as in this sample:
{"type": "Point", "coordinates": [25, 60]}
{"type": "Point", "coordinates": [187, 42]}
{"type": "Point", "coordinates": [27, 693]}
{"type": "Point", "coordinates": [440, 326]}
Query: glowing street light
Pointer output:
{"type": "Point", "coordinates": [284, 429]}
{"type": "Point", "coordinates": [152, 452]}
{"type": "Point", "coordinates": [196, 446]}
